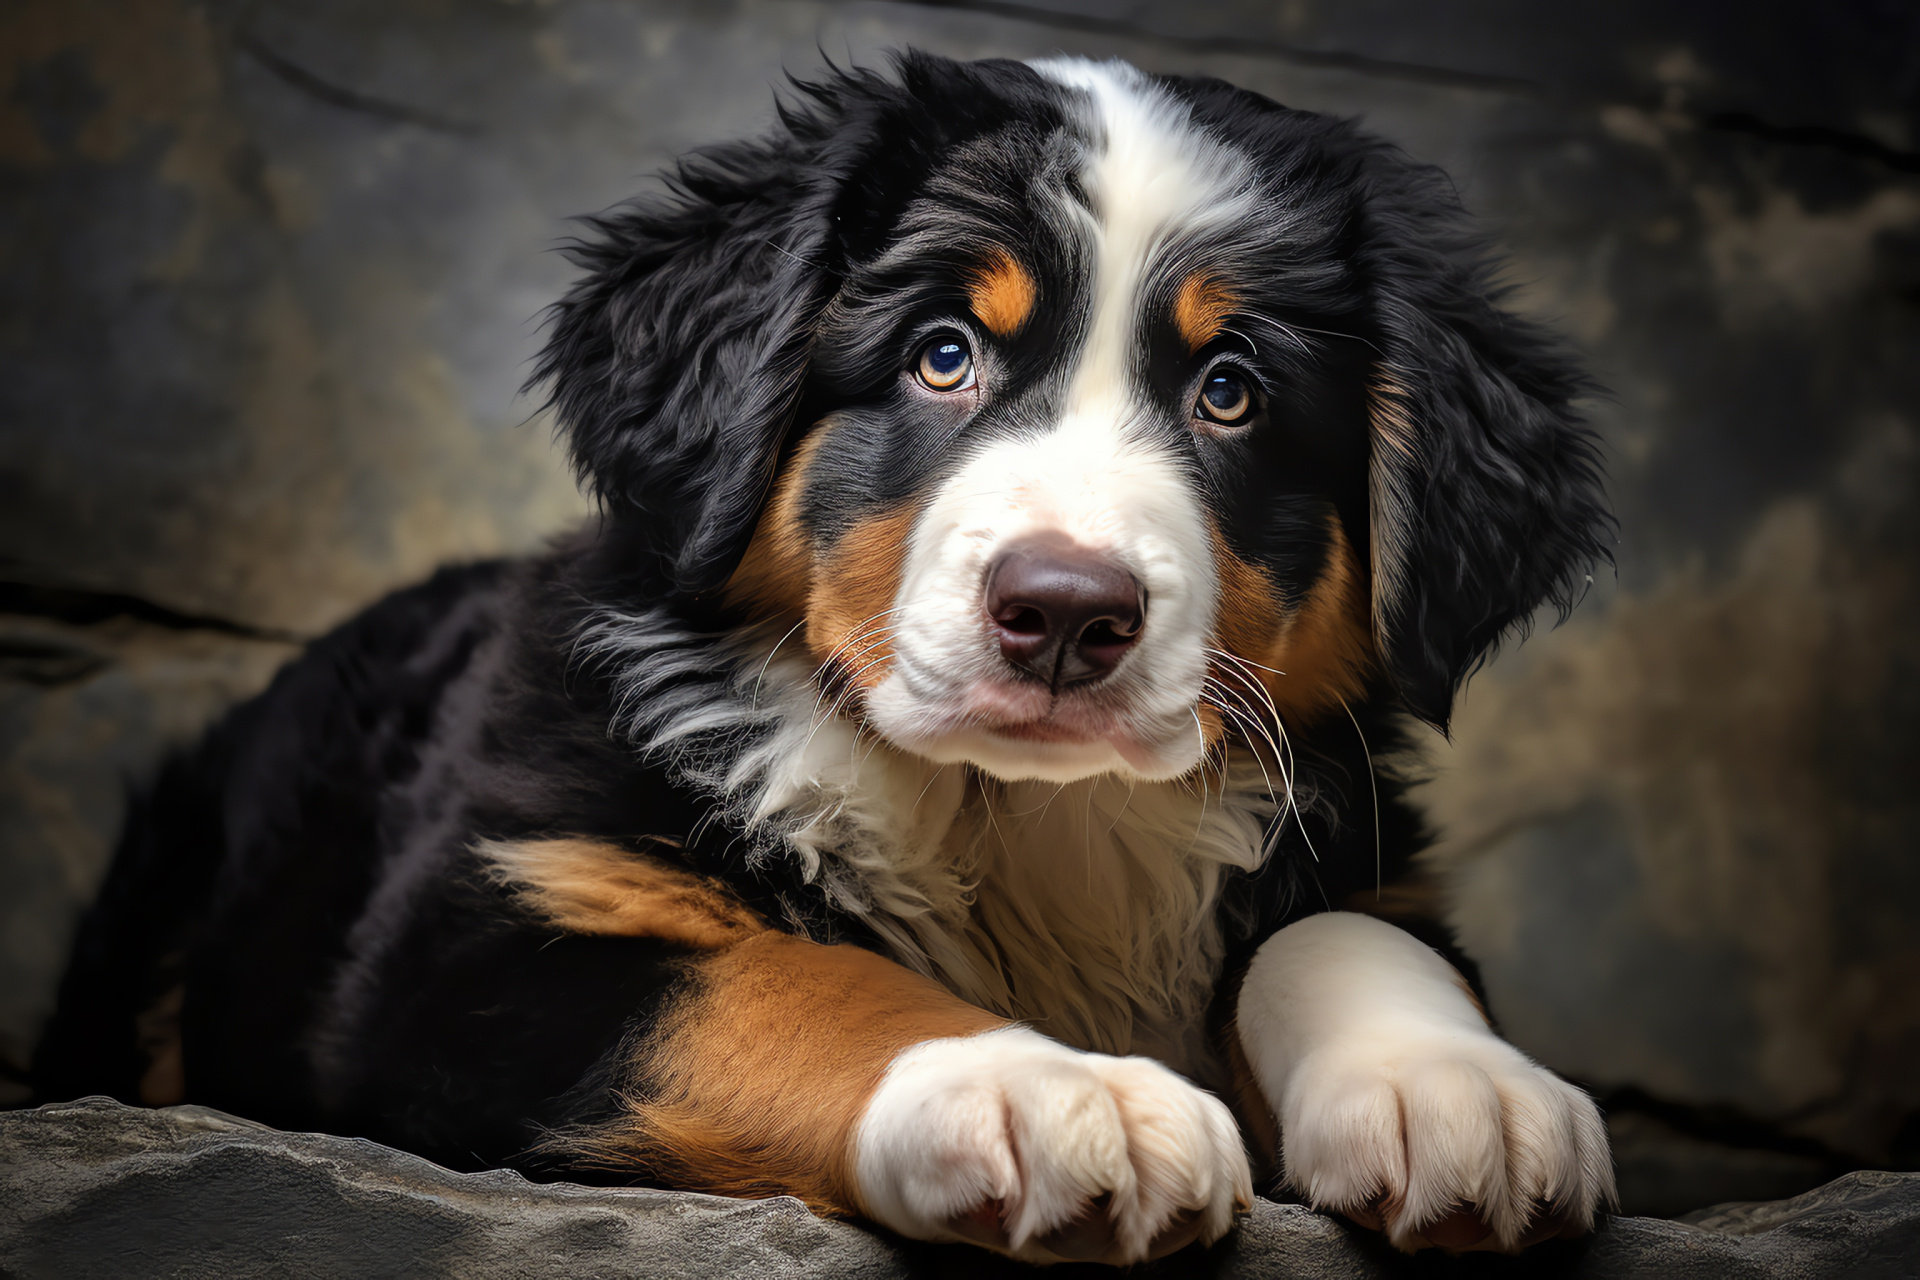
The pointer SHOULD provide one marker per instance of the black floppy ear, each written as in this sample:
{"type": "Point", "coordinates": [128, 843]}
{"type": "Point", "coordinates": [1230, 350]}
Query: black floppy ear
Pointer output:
{"type": "Point", "coordinates": [676, 362]}
{"type": "Point", "coordinates": [1485, 487]}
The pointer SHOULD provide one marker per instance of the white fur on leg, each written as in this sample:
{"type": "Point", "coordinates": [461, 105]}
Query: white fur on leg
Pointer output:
{"type": "Point", "coordinates": [1008, 1138]}
{"type": "Point", "coordinates": [1395, 1097]}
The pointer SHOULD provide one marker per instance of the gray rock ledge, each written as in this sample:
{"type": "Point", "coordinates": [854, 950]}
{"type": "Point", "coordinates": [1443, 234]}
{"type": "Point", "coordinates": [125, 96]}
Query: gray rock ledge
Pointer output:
{"type": "Point", "coordinates": [94, 1188]}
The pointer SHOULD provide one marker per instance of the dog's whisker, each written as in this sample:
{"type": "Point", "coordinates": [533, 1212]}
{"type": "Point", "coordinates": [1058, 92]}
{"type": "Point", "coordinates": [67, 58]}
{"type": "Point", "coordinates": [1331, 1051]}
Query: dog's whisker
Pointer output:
{"type": "Point", "coordinates": [862, 628]}
{"type": "Point", "coordinates": [1280, 757]}
{"type": "Point", "coordinates": [759, 680]}
{"type": "Point", "coordinates": [847, 659]}
{"type": "Point", "coordinates": [854, 636]}
{"type": "Point", "coordinates": [851, 689]}
{"type": "Point", "coordinates": [1373, 782]}
{"type": "Point", "coordinates": [1253, 731]}
{"type": "Point", "coordinates": [1240, 717]}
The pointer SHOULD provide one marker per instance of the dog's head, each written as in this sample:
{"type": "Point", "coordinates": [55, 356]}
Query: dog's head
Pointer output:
{"type": "Point", "coordinates": [1076, 417]}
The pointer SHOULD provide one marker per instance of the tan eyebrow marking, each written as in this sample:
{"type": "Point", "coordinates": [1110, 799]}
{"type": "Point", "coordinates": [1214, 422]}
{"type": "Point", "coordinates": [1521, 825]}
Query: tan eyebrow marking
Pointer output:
{"type": "Point", "coordinates": [1002, 293]}
{"type": "Point", "coordinates": [1200, 311]}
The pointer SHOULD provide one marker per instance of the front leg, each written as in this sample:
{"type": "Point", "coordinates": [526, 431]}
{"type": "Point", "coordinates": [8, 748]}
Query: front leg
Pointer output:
{"type": "Point", "coordinates": [831, 1073]}
{"type": "Point", "coordinates": [1398, 1105]}
{"type": "Point", "coordinates": [781, 1066]}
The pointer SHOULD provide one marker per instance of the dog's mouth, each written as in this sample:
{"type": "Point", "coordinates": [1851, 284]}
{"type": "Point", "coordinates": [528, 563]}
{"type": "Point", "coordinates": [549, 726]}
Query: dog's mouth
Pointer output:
{"type": "Point", "coordinates": [1020, 728]}
{"type": "Point", "coordinates": [1028, 710]}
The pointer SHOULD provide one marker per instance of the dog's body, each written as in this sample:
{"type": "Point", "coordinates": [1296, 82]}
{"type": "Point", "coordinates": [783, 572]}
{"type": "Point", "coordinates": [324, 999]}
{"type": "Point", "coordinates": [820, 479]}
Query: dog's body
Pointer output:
{"type": "Point", "coordinates": [1030, 495]}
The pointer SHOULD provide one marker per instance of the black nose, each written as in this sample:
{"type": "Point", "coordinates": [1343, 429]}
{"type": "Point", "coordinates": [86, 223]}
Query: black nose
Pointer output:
{"type": "Point", "coordinates": [1061, 612]}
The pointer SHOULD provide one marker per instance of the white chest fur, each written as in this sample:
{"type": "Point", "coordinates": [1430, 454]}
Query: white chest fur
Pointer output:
{"type": "Point", "coordinates": [1086, 909]}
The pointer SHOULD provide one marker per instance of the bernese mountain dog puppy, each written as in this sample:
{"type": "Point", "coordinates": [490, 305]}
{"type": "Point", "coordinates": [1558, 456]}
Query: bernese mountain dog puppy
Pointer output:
{"type": "Point", "coordinates": [1032, 498]}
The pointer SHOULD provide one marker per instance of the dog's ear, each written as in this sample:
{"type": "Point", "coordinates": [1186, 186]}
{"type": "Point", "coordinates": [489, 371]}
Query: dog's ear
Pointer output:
{"type": "Point", "coordinates": [1485, 488]}
{"type": "Point", "coordinates": [676, 361]}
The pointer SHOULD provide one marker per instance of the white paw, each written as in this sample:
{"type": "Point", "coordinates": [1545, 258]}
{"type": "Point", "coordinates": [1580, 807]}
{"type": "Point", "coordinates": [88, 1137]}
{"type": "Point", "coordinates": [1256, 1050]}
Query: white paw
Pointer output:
{"type": "Point", "coordinates": [1459, 1141]}
{"type": "Point", "coordinates": [1400, 1108]}
{"type": "Point", "coordinates": [1011, 1140]}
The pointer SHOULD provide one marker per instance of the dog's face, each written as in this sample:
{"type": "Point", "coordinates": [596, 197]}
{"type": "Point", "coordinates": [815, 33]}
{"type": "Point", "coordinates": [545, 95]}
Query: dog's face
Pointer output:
{"type": "Point", "coordinates": [1095, 434]}
{"type": "Point", "coordinates": [1077, 419]}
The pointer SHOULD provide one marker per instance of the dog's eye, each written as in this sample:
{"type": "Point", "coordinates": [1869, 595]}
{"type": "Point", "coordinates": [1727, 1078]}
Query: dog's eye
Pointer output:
{"type": "Point", "coordinates": [1225, 398]}
{"type": "Point", "coordinates": [946, 364]}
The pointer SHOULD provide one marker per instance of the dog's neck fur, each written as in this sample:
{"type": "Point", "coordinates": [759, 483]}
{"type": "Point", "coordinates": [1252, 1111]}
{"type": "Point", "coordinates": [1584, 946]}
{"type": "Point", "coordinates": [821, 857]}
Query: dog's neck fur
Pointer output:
{"type": "Point", "coordinates": [1086, 909]}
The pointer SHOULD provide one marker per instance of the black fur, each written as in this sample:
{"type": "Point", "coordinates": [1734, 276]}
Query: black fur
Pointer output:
{"type": "Point", "coordinates": [308, 873]}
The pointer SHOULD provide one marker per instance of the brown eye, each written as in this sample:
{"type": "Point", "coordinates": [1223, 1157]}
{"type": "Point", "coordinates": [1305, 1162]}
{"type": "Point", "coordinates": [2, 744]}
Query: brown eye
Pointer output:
{"type": "Point", "coordinates": [1225, 398]}
{"type": "Point", "coordinates": [946, 364]}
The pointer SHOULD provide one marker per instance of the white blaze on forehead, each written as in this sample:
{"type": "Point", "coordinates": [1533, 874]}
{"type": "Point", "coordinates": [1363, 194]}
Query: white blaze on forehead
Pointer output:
{"type": "Point", "coordinates": [1153, 178]}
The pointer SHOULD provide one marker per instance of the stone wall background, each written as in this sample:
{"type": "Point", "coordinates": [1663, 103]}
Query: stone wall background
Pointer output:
{"type": "Point", "coordinates": [271, 276]}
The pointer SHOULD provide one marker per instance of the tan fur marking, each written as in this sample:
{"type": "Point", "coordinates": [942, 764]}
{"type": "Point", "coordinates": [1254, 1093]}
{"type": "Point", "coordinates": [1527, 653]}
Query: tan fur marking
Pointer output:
{"type": "Point", "coordinates": [760, 1073]}
{"type": "Point", "coordinates": [855, 586]}
{"type": "Point", "coordinates": [586, 886]}
{"type": "Point", "coordinates": [1323, 646]}
{"type": "Point", "coordinates": [1002, 294]}
{"type": "Point", "coordinates": [1201, 308]}
{"type": "Point", "coordinates": [1326, 649]}
{"type": "Point", "coordinates": [773, 578]}
{"type": "Point", "coordinates": [1251, 611]}
{"type": "Point", "coordinates": [757, 1073]}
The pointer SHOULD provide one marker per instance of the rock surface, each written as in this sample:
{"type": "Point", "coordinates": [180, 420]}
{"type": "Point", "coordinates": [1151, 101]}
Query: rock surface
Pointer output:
{"type": "Point", "coordinates": [94, 1188]}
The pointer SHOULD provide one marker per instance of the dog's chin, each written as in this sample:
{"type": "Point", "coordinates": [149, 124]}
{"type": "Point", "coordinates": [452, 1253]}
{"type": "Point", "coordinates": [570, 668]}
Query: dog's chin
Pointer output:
{"type": "Point", "coordinates": [1041, 752]}
{"type": "Point", "coordinates": [1016, 732]}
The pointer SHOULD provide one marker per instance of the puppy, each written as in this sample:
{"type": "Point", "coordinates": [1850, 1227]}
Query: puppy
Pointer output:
{"type": "Point", "coordinates": [1032, 499]}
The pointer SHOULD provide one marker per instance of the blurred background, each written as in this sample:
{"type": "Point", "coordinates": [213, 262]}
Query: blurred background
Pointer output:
{"type": "Point", "coordinates": [272, 274]}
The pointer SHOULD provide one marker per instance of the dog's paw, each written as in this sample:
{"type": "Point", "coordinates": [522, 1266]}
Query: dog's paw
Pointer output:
{"type": "Point", "coordinates": [1450, 1139]}
{"type": "Point", "coordinates": [1011, 1140]}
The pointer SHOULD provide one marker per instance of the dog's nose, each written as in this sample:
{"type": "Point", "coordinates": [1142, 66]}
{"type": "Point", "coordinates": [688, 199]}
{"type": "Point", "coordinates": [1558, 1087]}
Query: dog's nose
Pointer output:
{"type": "Point", "coordinates": [1062, 612]}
